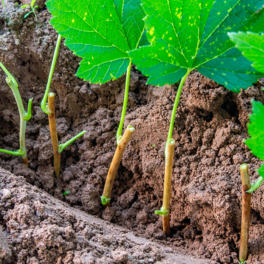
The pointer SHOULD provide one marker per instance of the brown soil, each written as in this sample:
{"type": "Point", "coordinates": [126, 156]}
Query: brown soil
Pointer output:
{"type": "Point", "coordinates": [209, 132]}
{"type": "Point", "coordinates": [41, 229]}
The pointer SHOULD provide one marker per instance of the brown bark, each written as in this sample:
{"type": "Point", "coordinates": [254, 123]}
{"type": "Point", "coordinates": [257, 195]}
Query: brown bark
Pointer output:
{"type": "Point", "coordinates": [167, 186]}
{"type": "Point", "coordinates": [54, 135]}
{"type": "Point", "coordinates": [116, 161]}
{"type": "Point", "coordinates": [245, 222]}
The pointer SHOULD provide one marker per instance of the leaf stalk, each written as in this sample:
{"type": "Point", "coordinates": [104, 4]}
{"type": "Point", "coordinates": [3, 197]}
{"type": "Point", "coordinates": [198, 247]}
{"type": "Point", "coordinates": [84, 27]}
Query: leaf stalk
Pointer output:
{"type": "Point", "coordinates": [175, 107]}
{"type": "Point", "coordinates": [44, 105]}
{"type": "Point", "coordinates": [122, 119]}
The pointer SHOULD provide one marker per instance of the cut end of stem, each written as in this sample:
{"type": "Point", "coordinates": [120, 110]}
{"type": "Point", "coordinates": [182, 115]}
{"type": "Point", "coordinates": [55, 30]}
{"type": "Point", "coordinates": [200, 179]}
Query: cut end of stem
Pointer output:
{"type": "Point", "coordinates": [171, 141]}
{"type": "Point", "coordinates": [243, 167]}
{"type": "Point", "coordinates": [105, 200]}
{"type": "Point", "coordinates": [51, 94]}
{"type": "Point", "coordinates": [132, 129]}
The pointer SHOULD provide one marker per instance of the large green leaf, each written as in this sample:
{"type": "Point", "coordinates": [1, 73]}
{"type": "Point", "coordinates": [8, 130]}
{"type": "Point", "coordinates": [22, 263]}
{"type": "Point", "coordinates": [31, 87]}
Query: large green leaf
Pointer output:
{"type": "Point", "coordinates": [101, 32]}
{"type": "Point", "coordinates": [256, 131]}
{"type": "Point", "coordinates": [188, 35]}
{"type": "Point", "coordinates": [252, 47]}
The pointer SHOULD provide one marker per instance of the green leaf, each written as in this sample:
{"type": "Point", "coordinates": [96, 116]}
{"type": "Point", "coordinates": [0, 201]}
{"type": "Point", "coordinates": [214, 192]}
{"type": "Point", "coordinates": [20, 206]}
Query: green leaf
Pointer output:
{"type": "Point", "coordinates": [188, 35]}
{"type": "Point", "coordinates": [101, 32]}
{"type": "Point", "coordinates": [252, 47]}
{"type": "Point", "coordinates": [26, 15]}
{"type": "Point", "coordinates": [256, 132]}
{"type": "Point", "coordinates": [33, 3]}
{"type": "Point", "coordinates": [24, 6]}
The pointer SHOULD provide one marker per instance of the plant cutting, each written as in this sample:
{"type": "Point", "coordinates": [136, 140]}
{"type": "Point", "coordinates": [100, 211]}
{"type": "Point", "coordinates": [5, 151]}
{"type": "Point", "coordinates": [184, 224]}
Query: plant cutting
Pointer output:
{"type": "Point", "coordinates": [245, 219]}
{"type": "Point", "coordinates": [251, 46]}
{"type": "Point", "coordinates": [32, 7]}
{"type": "Point", "coordinates": [49, 109]}
{"type": "Point", "coordinates": [187, 36]}
{"type": "Point", "coordinates": [102, 32]}
{"type": "Point", "coordinates": [24, 116]}
{"type": "Point", "coordinates": [255, 143]}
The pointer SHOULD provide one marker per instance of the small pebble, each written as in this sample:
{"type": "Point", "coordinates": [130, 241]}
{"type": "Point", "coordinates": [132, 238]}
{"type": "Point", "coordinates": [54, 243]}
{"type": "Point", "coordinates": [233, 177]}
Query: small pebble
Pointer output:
{"type": "Point", "coordinates": [120, 256]}
{"type": "Point", "coordinates": [6, 194]}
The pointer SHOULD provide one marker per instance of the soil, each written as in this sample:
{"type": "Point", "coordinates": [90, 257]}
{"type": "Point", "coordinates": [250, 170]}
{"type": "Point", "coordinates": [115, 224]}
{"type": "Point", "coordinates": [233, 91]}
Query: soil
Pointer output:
{"type": "Point", "coordinates": [209, 131]}
{"type": "Point", "coordinates": [41, 229]}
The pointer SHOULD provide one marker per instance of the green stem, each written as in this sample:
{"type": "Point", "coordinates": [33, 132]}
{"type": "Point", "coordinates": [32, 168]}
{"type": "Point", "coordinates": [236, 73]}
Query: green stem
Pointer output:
{"type": "Point", "coordinates": [34, 12]}
{"type": "Point", "coordinates": [121, 124]}
{"type": "Point", "coordinates": [24, 116]}
{"type": "Point", "coordinates": [174, 110]}
{"type": "Point", "coordinates": [44, 106]}
{"type": "Point", "coordinates": [14, 153]}
{"type": "Point", "coordinates": [3, 1]}
{"type": "Point", "coordinates": [66, 144]}
{"type": "Point", "coordinates": [256, 185]}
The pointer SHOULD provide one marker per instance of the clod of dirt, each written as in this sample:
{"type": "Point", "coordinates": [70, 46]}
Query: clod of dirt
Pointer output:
{"type": "Point", "coordinates": [120, 256]}
{"type": "Point", "coordinates": [91, 199]}
{"type": "Point", "coordinates": [6, 194]}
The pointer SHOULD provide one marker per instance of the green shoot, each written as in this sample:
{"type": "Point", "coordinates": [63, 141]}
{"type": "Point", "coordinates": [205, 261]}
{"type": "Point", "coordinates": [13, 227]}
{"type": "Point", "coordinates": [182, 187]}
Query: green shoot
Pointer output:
{"type": "Point", "coordinates": [153, 145]}
{"type": "Point", "coordinates": [69, 142]}
{"type": "Point", "coordinates": [66, 193]}
{"type": "Point", "coordinates": [105, 200]}
{"type": "Point", "coordinates": [162, 211]}
{"type": "Point", "coordinates": [32, 7]}
{"type": "Point", "coordinates": [3, 2]}
{"type": "Point", "coordinates": [24, 116]}
{"type": "Point", "coordinates": [49, 109]}
{"type": "Point", "coordinates": [195, 38]}
{"type": "Point", "coordinates": [103, 44]}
